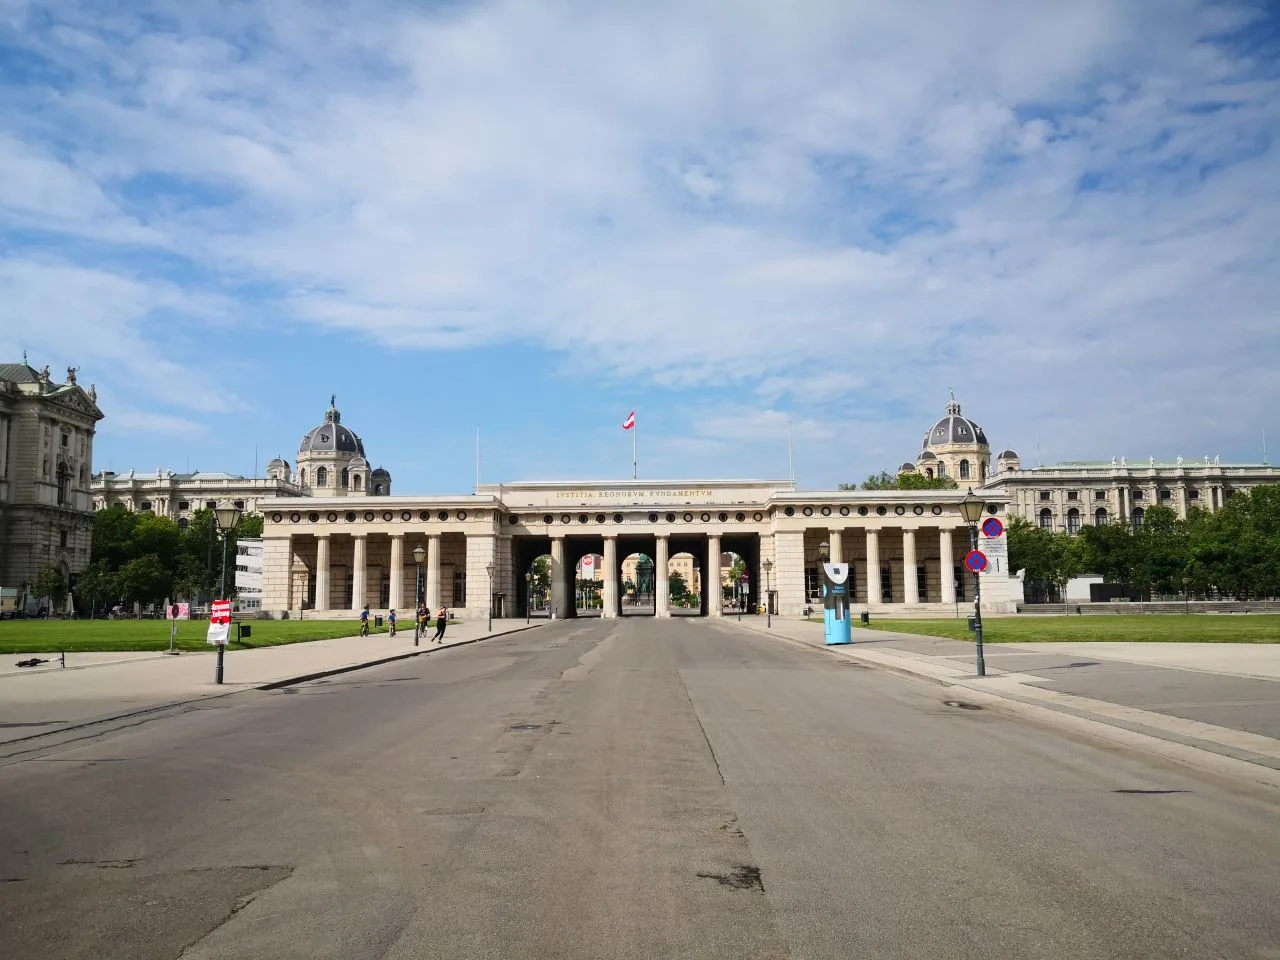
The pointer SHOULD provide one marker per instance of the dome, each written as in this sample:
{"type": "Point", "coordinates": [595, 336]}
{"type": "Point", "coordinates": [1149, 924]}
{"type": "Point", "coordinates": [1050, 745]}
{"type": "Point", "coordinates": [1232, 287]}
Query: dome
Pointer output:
{"type": "Point", "coordinates": [331, 436]}
{"type": "Point", "coordinates": [278, 462]}
{"type": "Point", "coordinates": [380, 474]}
{"type": "Point", "coordinates": [1008, 455]}
{"type": "Point", "coordinates": [907, 468]}
{"type": "Point", "coordinates": [953, 428]}
{"type": "Point", "coordinates": [928, 455]}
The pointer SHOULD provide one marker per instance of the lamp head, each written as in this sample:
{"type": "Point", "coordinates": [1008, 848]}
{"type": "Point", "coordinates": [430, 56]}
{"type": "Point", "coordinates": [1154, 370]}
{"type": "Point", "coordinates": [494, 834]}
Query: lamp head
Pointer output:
{"type": "Point", "coordinates": [489, 570]}
{"type": "Point", "coordinates": [228, 515]}
{"type": "Point", "coordinates": [824, 551]}
{"type": "Point", "coordinates": [768, 565]}
{"type": "Point", "coordinates": [528, 577]}
{"type": "Point", "coordinates": [971, 507]}
{"type": "Point", "coordinates": [419, 554]}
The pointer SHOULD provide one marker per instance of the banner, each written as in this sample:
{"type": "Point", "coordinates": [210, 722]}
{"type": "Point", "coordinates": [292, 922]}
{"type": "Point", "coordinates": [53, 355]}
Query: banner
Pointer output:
{"type": "Point", "coordinates": [220, 623]}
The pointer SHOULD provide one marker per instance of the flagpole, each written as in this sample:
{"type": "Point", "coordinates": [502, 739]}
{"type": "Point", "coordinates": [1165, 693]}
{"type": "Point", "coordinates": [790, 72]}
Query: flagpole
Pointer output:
{"type": "Point", "coordinates": [634, 472]}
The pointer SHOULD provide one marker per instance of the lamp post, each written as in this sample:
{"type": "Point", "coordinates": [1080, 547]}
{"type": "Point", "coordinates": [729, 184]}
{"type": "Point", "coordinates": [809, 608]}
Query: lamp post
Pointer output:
{"type": "Point", "coordinates": [824, 555]}
{"type": "Point", "coordinates": [768, 607]}
{"type": "Point", "coordinates": [418, 556]}
{"type": "Point", "coordinates": [971, 511]}
{"type": "Point", "coordinates": [489, 570]}
{"type": "Point", "coordinates": [528, 596]}
{"type": "Point", "coordinates": [227, 515]}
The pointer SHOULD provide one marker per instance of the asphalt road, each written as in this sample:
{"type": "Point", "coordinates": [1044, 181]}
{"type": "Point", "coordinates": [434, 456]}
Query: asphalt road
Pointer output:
{"type": "Point", "coordinates": [624, 789]}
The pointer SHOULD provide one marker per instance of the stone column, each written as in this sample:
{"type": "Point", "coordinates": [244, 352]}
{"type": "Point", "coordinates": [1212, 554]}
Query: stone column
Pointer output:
{"type": "Point", "coordinates": [836, 539]}
{"type": "Point", "coordinates": [715, 595]}
{"type": "Point", "coordinates": [662, 578]}
{"type": "Point", "coordinates": [610, 578]}
{"type": "Point", "coordinates": [558, 604]}
{"type": "Point", "coordinates": [397, 571]}
{"type": "Point", "coordinates": [322, 572]}
{"type": "Point", "coordinates": [788, 572]}
{"type": "Point", "coordinates": [361, 541]}
{"type": "Point", "coordinates": [910, 586]}
{"type": "Point", "coordinates": [482, 553]}
{"type": "Point", "coordinates": [948, 566]}
{"type": "Point", "coordinates": [433, 573]}
{"type": "Point", "coordinates": [873, 568]}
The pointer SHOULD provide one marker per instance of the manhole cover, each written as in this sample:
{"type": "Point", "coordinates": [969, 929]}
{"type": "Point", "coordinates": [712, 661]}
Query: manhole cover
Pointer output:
{"type": "Point", "coordinates": [961, 705]}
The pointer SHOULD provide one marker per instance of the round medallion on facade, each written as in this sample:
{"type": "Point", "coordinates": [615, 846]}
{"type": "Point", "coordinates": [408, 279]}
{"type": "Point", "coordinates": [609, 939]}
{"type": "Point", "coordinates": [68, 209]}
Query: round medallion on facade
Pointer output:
{"type": "Point", "coordinates": [808, 511]}
{"type": "Point", "coordinates": [826, 511]}
{"type": "Point", "coordinates": [333, 517]}
{"type": "Point", "coordinates": [918, 510]}
{"type": "Point", "coordinates": [937, 510]}
{"type": "Point", "coordinates": [368, 516]}
{"type": "Point", "coordinates": [899, 510]}
{"type": "Point", "coordinates": [406, 516]}
{"type": "Point", "coordinates": [881, 511]}
{"type": "Point", "coordinates": [277, 517]}
{"type": "Point", "coordinates": [547, 518]}
{"type": "Point", "coordinates": [790, 511]}
{"type": "Point", "coordinates": [313, 517]}
{"type": "Point", "coordinates": [295, 517]}
{"type": "Point", "coordinates": [844, 511]}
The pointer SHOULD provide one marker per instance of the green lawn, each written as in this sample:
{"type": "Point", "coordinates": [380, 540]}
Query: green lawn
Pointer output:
{"type": "Point", "coordinates": [1201, 628]}
{"type": "Point", "coordinates": [51, 636]}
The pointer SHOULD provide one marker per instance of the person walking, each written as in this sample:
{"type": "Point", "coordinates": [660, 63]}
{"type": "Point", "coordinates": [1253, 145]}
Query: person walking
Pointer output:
{"type": "Point", "coordinates": [424, 616]}
{"type": "Point", "coordinates": [364, 621]}
{"type": "Point", "coordinates": [442, 620]}
{"type": "Point", "coordinates": [391, 622]}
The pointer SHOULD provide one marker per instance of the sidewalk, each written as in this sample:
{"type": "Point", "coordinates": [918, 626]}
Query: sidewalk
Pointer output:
{"type": "Point", "coordinates": [94, 687]}
{"type": "Point", "coordinates": [1219, 698]}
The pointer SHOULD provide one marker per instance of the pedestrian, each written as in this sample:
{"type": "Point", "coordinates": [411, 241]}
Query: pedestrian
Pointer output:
{"type": "Point", "coordinates": [442, 620]}
{"type": "Point", "coordinates": [423, 618]}
{"type": "Point", "coordinates": [391, 622]}
{"type": "Point", "coordinates": [364, 621]}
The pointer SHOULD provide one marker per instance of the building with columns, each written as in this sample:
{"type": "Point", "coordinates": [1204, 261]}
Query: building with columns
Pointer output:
{"type": "Point", "coordinates": [46, 454]}
{"type": "Point", "coordinates": [333, 556]}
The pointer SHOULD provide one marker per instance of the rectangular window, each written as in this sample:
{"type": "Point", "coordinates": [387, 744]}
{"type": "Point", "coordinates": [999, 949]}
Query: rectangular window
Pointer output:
{"type": "Point", "coordinates": [959, 574]}
{"type": "Point", "coordinates": [1072, 495]}
{"type": "Point", "coordinates": [239, 504]}
{"type": "Point", "coordinates": [66, 440]}
{"type": "Point", "coordinates": [146, 505]}
{"type": "Point", "coordinates": [62, 538]}
{"type": "Point", "coordinates": [184, 505]}
{"type": "Point", "coordinates": [384, 591]}
{"type": "Point", "coordinates": [1193, 494]}
{"type": "Point", "coordinates": [210, 504]}
{"type": "Point", "coordinates": [1045, 495]}
{"type": "Point", "coordinates": [1166, 494]}
{"type": "Point", "coordinates": [922, 584]}
{"type": "Point", "coordinates": [1137, 494]}
{"type": "Point", "coordinates": [1100, 495]}
{"type": "Point", "coordinates": [460, 588]}
{"type": "Point", "coordinates": [886, 583]}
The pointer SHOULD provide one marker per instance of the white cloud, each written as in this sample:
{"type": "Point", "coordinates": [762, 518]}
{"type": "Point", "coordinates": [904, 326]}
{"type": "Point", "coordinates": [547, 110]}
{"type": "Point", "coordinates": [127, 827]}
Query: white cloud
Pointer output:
{"type": "Point", "coordinates": [845, 205]}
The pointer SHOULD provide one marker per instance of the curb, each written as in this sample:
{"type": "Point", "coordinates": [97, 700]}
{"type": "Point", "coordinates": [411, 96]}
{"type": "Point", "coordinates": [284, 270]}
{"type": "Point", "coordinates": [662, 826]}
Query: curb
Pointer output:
{"type": "Point", "coordinates": [273, 685]}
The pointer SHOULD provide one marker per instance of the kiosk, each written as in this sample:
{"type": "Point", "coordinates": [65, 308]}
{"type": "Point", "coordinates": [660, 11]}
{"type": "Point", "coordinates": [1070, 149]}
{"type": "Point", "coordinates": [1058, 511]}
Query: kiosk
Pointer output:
{"type": "Point", "coordinates": [835, 602]}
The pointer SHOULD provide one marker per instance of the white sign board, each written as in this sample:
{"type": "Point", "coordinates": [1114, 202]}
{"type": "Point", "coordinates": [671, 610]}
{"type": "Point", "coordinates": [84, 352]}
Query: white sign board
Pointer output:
{"type": "Point", "coordinates": [220, 622]}
{"type": "Point", "coordinates": [997, 551]}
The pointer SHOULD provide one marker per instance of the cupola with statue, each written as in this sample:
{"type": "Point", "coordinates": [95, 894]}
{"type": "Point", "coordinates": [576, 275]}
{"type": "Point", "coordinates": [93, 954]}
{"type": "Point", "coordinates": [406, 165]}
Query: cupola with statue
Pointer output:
{"type": "Point", "coordinates": [955, 447]}
{"type": "Point", "coordinates": [331, 460]}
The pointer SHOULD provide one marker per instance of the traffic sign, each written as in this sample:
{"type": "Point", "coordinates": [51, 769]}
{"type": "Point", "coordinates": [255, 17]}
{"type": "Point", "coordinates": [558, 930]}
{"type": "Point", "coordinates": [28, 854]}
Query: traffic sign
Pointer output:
{"type": "Point", "coordinates": [992, 527]}
{"type": "Point", "coordinates": [976, 561]}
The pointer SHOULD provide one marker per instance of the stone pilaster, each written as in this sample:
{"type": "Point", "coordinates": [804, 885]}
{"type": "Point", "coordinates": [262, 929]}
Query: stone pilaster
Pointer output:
{"type": "Point", "coordinates": [322, 572]}
{"type": "Point", "coordinates": [662, 578]}
{"type": "Point", "coordinates": [873, 568]}
{"type": "Point", "coordinates": [788, 572]}
{"type": "Point", "coordinates": [715, 595]}
{"type": "Point", "coordinates": [433, 572]}
{"type": "Point", "coordinates": [610, 578]}
{"type": "Point", "coordinates": [910, 586]}
{"type": "Point", "coordinates": [559, 604]}
{"type": "Point", "coordinates": [396, 577]}
{"type": "Point", "coordinates": [948, 564]}
{"type": "Point", "coordinates": [359, 570]}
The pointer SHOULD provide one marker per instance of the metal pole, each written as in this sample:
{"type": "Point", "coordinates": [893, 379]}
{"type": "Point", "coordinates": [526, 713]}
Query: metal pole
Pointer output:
{"type": "Point", "coordinates": [417, 620]}
{"type": "Point", "coordinates": [768, 605]}
{"type": "Point", "coordinates": [222, 595]}
{"type": "Point", "coordinates": [977, 604]}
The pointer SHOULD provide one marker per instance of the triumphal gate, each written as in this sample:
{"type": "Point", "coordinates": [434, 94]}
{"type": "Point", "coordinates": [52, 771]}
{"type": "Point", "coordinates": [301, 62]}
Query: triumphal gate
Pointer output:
{"type": "Point", "coordinates": [336, 554]}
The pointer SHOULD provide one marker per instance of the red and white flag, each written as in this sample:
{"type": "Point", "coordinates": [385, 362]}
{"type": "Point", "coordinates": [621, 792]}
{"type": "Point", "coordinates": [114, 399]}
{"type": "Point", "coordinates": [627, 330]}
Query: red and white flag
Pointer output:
{"type": "Point", "coordinates": [630, 422]}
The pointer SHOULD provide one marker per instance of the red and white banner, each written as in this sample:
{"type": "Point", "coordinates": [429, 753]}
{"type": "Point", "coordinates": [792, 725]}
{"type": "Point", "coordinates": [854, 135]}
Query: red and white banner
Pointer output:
{"type": "Point", "coordinates": [630, 422]}
{"type": "Point", "coordinates": [219, 622]}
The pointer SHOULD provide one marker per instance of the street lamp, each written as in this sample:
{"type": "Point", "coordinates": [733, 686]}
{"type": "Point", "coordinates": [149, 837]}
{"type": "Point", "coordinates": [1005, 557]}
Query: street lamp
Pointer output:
{"type": "Point", "coordinates": [227, 515]}
{"type": "Point", "coordinates": [418, 556]}
{"type": "Point", "coordinates": [768, 607]}
{"type": "Point", "coordinates": [489, 570]}
{"type": "Point", "coordinates": [824, 555]}
{"type": "Point", "coordinates": [528, 596]}
{"type": "Point", "coordinates": [971, 511]}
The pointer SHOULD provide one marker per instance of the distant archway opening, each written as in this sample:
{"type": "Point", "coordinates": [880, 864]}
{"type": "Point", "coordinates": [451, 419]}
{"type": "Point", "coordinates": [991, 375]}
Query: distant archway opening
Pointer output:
{"type": "Point", "coordinates": [637, 586]}
{"type": "Point", "coordinates": [588, 585]}
{"type": "Point", "coordinates": [684, 580]}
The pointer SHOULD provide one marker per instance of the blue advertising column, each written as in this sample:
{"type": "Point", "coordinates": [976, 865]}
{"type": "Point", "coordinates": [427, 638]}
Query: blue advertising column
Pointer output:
{"type": "Point", "coordinates": [835, 603]}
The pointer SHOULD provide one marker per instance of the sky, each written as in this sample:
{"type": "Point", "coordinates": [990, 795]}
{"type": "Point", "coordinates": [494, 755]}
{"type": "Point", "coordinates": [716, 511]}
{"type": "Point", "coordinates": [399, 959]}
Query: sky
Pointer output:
{"type": "Point", "coordinates": [738, 218]}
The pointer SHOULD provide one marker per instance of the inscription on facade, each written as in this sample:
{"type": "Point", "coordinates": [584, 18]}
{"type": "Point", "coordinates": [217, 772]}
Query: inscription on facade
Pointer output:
{"type": "Point", "coordinates": [635, 494]}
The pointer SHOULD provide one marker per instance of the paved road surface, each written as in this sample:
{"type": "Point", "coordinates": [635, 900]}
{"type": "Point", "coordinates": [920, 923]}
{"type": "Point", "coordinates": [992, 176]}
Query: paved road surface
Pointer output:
{"type": "Point", "coordinates": [625, 789]}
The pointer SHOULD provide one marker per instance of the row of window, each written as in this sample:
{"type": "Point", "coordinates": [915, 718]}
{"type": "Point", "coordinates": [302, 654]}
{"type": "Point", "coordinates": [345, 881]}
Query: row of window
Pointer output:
{"type": "Point", "coordinates": [1074, 495]}
{"type": "Point", "coordinates": [890, 575]}
{"type": "Point", "coordinates": [1100, 518]}
{"type": "Point", "coordinates": [145, 505]}
{"type": "Point", "coordinates": [346, 480]}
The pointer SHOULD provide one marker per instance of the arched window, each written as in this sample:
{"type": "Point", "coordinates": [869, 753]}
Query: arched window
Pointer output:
{"type": "Point", "coordinates": [928, 472]}
{"type": "Point", "coordinates": [982, 469]}
{"type": "Point", "coordinates": [1073, 520]}
{"type": "Point", "coordinates": [346, 479]}
{"type": "Point", "coordinates": [355, 482]}
{"type": "Point", "coordinates": [302, 474]}
{"type": "Point", "coordinates": [377, 490]}
{"type": "Point", "coordinates": [1046, 519]}
{"type": "Point", "coordinates": [1138, 516]}
{"type": "Point", "coordinates": [942, 469]}
{"type": "Point", "coordinates": [64, 484]}
{"type": "Point", "coordinates": [183, 523]}
{"type": "Point", "coordinates": [964, 469]}
{"type": "Point", "coordinates": [322, 476]}
{"type": "Point", "coordinates": [1100, 517]}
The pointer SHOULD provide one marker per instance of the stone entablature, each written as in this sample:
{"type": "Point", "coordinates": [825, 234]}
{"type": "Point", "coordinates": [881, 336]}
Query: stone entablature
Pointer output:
{"type": "Point", "coordinates": [339, 555]}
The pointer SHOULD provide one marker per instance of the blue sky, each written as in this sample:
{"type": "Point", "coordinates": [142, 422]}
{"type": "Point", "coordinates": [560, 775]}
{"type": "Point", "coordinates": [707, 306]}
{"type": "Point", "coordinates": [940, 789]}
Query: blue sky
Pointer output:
{"type": "Point", "coordinates": [532, 217]}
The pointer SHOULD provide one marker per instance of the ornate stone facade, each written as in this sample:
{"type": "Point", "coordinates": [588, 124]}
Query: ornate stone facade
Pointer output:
{"type": "Point", "coordinates": [179, 495]}
{"type": "Point", "coordinates": [334, 556]}
{"type": "Point", "coordinates": [46, 452]}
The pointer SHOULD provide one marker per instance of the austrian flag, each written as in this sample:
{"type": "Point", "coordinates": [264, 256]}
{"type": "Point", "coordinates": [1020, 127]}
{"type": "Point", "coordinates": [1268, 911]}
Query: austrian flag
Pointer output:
{"type": "Point", "coordinates": [630, 422]}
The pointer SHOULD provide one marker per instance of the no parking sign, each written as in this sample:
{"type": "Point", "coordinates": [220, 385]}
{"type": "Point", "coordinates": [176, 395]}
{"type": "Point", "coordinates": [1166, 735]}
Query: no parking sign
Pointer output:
{"type": "Point", "coordinates": [992, 527]}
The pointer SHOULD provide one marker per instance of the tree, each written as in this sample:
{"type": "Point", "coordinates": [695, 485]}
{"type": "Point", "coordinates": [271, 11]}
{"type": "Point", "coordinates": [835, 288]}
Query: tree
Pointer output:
{"type": "Point", "coordinates": [144, 580]}
{"type": "Point", "coordinates": [96, 582]}
{"type": "Point", "coordinates": [679, 590]}
{"type": "Point", "coordinates": [50, 583]}
{"type": "Point", "coordinates": [541, 580]}
{"type": "Point", "coordinates": [113, 536]}
{"type": "Point", "coordinates": [902, 481]}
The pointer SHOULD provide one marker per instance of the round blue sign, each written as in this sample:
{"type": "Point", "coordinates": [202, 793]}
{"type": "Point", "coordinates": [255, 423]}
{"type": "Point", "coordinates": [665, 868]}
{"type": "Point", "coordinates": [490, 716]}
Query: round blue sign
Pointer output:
{"type": "Point", "coordinates": [992, 527]}
{"type": "Point", "coordinates": [976, 561]}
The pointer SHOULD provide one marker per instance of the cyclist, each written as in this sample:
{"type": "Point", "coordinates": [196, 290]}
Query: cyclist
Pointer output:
{"type": "Point", "coordinates": [391, 622]}
{"type": "Point", "coordinates": [364, 621]}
